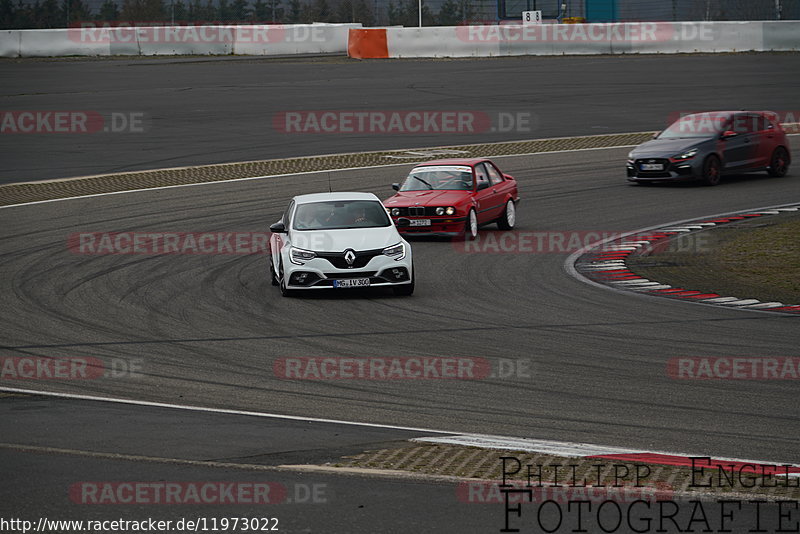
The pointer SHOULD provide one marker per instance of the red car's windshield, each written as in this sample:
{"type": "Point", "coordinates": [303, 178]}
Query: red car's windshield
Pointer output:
{"type": "Point", "coordinates": [438, 179]}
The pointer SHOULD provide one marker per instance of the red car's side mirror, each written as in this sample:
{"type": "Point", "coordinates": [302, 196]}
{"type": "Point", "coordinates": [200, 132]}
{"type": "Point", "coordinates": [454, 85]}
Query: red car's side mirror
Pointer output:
{"type": "Point", "coordinates": [728, 134]}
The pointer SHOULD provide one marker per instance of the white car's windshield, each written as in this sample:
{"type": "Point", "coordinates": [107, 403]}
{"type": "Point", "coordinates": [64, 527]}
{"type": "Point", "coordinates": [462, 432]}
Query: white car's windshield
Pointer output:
{"type": "Point", "coordinates": [438, 178]}
{"type": "Point", "coordinates": [699, 125]}
{"type": "Point", "coordinates": [339, 215]}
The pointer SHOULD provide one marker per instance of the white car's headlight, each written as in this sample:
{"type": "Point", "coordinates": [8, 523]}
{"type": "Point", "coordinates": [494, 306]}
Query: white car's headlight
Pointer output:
{"type": "Point", "coordinates": [688, 154]}
{"type": "Point", "coordinates": [398, 251]}
{"type": "Point", "coordinates": [298, 256]}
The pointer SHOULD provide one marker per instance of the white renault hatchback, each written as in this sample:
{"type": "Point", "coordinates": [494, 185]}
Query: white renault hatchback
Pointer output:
{"type": "Point", "coordinates": [338, 241]}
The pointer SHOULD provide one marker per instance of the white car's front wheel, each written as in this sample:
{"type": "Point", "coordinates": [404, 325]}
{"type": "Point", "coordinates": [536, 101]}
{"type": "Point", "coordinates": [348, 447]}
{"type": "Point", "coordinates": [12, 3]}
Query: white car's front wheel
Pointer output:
{"type": "Point", "coordinates": [272, 278]}
{"type": "Point", "coordinates": [285, 291]}
{"type": "Point", "coordinates": [406, 289]}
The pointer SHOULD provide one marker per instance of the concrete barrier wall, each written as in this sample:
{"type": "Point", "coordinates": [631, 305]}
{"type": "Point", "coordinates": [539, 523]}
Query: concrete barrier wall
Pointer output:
{"type": "Point", "coordinates": [9, 43]}
{"type": "Point", "coordinates": [177, 40]}
{"type": "Point", "coordinates": [558, 39]}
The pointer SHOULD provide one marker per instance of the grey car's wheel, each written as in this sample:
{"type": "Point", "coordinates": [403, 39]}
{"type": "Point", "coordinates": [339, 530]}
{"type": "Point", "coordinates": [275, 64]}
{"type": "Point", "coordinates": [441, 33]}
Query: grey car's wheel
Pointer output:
{"type": "Point", "coordinates": [779, 162]}
{"type": "Point", "coordinates": [711, 170]}
{"type": "Point", "coordinates": [471, 226]}
{"type": "Point", "coordinates": [509, 217]}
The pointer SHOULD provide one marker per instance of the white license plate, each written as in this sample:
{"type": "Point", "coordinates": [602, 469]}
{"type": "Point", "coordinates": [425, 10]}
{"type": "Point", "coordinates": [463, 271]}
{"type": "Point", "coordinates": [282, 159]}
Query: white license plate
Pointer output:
{"type": "Point", "coordinates": [652, 167]}
{"type": "Point", "coordinates": [352, 282]}
{"type": "Point", "coordinates": [420, 222]}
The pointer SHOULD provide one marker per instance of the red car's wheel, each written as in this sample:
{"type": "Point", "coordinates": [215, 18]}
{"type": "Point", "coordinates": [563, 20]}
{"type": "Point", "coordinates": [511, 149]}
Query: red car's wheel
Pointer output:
{"type": "Point", "coordinates": [471, 226]}
{"type": "Point", "coordinates": [509, 217]}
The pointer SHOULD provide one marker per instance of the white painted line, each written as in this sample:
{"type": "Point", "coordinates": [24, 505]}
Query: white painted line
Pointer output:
{"type": "Point", "coordinates": [556, 448]}
{"type": "Point", "coordinates": [564, 448]}
{"type": "Point", "coordinates": [136, 457]}
{"type": "Point", "coordinates": [766, 305]}
{"type": "Point", "coordinates": [628, 282]}
{"type": "Point", "coordinates": [721, 299]}
{"type": "Point", "coordinates": [740, 302]}
{"type": "Point", "coordinates": [650, 288]}
{"type": "Point", "coordinates": [218, 410]}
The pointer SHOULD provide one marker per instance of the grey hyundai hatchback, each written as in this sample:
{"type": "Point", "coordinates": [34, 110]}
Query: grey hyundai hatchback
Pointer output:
{"type": "Point", "coordinates": [704, 146]}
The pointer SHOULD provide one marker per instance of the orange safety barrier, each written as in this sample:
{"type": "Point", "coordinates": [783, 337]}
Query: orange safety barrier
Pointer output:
{"type": "Point", "coordinates": [366, 43]}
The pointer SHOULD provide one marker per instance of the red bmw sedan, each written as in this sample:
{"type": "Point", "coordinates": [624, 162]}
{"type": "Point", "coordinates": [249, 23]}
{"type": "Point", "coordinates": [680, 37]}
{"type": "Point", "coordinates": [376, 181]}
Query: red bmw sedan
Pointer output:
{"type": "Point", "coordinates": [453, 197]}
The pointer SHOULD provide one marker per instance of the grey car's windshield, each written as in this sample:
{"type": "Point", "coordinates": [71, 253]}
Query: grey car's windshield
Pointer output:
{"type": "Point", "coordinates": [457, 178]}
{"type": "Point", "coordinates": [340, 214]}
{"type": "Point", "coordinates": [696, 126]}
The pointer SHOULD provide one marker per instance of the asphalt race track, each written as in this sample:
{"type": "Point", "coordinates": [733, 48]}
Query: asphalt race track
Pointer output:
{"type": "Point", "coordinates": [205, 330]}
{"type": "Point", "coordinates": [199, 110]}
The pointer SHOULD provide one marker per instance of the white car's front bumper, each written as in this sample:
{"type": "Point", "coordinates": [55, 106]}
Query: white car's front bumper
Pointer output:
{"type": "Point", "coordinates": [322, 271]}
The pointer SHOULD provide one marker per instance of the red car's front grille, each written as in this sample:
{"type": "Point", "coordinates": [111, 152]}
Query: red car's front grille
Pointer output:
{"type": "Point", "coordinates": [417, 211]}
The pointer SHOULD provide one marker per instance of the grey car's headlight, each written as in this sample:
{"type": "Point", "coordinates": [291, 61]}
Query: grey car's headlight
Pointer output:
{"type": "Point", "coordinates": [689, 154]}
{"type": "Point", "coordinates": [298, 256]}
{"type": "Point", "coordinates": [398, 251]}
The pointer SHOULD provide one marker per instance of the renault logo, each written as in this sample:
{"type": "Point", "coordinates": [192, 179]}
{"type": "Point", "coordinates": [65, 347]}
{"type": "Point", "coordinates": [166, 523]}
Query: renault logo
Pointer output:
{"type": "Point", "coordinates": [349, 256]}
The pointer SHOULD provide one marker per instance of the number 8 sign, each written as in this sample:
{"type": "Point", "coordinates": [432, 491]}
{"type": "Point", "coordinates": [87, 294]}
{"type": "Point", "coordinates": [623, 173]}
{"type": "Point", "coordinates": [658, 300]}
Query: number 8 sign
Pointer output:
{"type": "Point", "coordinates": [531, 17]}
